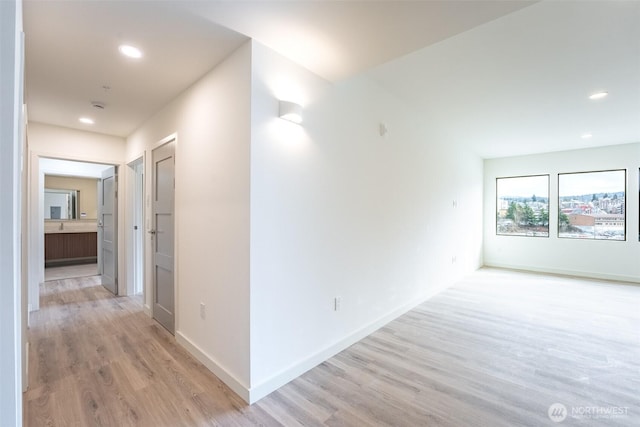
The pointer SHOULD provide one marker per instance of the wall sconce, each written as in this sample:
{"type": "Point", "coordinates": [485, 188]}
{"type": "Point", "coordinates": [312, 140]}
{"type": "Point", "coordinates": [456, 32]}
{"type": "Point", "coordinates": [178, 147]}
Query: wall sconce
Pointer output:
{"type": "Point", "coordinates": [290, 111]}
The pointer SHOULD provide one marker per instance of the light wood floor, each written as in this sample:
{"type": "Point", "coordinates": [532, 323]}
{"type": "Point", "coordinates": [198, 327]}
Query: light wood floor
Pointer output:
{"type": "Point", "coordinates": [495, 350]}
{"type": "Point", "coordinates": [70, 271]}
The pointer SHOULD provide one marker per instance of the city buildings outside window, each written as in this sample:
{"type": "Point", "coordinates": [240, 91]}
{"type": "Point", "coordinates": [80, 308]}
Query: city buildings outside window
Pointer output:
{"type": "Point", "coordinates": [523, 206]}
{"type": "Point", "coordinates": [591, 205]}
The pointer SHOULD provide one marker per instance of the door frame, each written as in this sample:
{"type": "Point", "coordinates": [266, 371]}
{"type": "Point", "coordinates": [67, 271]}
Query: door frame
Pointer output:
{"type": "Point", "coordinates": [35, 215]}
{"type": "Point", "coordinates": [149, 224]}
{"type": "Point", "coordinates": [135, 216]}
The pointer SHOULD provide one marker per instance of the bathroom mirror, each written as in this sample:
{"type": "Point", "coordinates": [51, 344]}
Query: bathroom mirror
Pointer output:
{"type": "Point", "coordinates": [60, 204]}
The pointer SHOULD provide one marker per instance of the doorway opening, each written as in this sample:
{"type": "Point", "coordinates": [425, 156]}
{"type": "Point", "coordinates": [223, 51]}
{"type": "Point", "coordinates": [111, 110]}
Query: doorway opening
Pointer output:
{"type": "Point", "coordinates": [68, 216]}
{"type": "Point", "coordinates": [135, 228]}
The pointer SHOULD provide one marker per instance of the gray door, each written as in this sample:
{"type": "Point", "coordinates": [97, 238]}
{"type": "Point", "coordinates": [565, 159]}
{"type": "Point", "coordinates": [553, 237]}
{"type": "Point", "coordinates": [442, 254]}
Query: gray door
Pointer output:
{"type": "Point", "coordinates": [162, 235]}
{"type": "Point", "coordinates": [108, 229]}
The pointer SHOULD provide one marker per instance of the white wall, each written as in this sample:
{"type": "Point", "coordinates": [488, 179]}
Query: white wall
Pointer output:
{"type": "Point", "coordinates": [327, 209]}
{"type": "Point", "coordinates": [212, 123]}
{"type": "Point", "coordinates": [73, 144]}
{"type": "Point", "coordinates": [338, 210]}
{"type": "Point", "coordinates": [11, 318]}
{"type": "Point", "coordinates": [616, 260]}
{"type": "Point", "coordinates": [64, 143]}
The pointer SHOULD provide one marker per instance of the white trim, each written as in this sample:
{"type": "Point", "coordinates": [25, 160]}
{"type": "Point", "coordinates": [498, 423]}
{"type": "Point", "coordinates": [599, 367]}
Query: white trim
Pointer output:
{"type": "Point", "coordinates": [220, 371]}
{"type": "Point", "coordinates": [176, 233]}
{"type": "Point", "coordinates": [54, 155]}
{"type": "Point", "coordinates": [35, 230]}
{"type": "Point", "coordinates": [253, 394]}
{"type": "Point", "coordinates": [35, 233]}
{"type": "Point", "coordinates": [563, 272]}
{"type": "Point", "coordinates": [268, 386]}
{"type": "Point", "coordinates": [139, 254]}
{"type": "Point", "coordinates": [173, 136]}
{"type": "Point", "coordinates": [11, 121]}
{"type": "Point", "coordinates": [24, 250]}
{"type": "Point", "coordinates": [131, 184]}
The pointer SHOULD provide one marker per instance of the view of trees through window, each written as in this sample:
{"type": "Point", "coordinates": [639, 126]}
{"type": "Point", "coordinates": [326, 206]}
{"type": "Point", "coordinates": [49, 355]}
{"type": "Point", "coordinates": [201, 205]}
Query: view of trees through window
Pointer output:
{"type": "Point", "coordinates": [523, 206]}
{"type": "Point", "coordinates": [591, 205]}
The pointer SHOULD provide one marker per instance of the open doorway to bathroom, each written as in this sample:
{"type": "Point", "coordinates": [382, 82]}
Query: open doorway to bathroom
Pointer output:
{"type": "Point", "coordinates": [70, 207]}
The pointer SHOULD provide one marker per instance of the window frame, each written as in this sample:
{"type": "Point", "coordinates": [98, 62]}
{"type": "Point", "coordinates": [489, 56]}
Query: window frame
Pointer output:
{"type": "Point", "coordinates": [548, 197]}
{"type": "Point", "coordinates": [624, 238]}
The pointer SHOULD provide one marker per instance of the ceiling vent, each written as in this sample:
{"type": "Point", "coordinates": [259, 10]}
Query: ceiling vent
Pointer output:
{"type": "Point", "coordinates": [98, 105]}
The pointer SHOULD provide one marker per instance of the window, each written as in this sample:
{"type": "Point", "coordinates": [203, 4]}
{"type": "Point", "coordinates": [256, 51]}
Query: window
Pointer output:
{"type": "Point", "coordinates": [523, 206]}
{"type": "Point", "coordinates": [591, 205]}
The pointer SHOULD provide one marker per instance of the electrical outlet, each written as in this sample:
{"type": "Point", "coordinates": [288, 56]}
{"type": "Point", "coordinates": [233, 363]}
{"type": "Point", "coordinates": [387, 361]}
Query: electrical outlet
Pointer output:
{"type": "Point", "coordinates": [454, 259]}
{"type": "Point", "coordinates": [337, 303]}
{"type": "Point", "coordinates": [202, 310]}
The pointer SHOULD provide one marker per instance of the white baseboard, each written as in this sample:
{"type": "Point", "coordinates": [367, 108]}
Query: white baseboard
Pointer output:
{"type": "Point", "coordinates": [563, 272]}
{"type": "Point", "coordinates": [147, 310]}
{"type": "Point", "coordinates": [283, 377]}
{"type": "Point", "coordinates": [218, 370]}
{"type": "Point", "coordinates": [253, 394]}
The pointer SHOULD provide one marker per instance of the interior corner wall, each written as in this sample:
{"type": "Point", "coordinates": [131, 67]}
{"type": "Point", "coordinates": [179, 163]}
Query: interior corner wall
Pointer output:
{"type": "Point", "coordinates": [339, 210]}
{"type": "Point", "coordinates": [212, 122]}
{"type": "Point", "coordinates": [63, 143]}
{"type": "Point", "coordinates": [11, 100]}
{"type": "Point", "coordinates": [606, 259]}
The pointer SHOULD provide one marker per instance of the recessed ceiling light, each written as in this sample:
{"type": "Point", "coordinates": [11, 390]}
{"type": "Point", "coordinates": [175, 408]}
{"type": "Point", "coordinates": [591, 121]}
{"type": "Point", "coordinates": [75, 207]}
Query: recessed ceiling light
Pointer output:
{"type": "Point", "coordinates": [86, 120]}
{"type": "Point", "coordinates": [586, 135]}
{"type": "Point", "coordinates": [130, 51]}
{"type": "Point", "coordinates": [598, 95]}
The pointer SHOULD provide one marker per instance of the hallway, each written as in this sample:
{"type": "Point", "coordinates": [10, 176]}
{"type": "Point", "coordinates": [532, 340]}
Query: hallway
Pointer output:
{"type": "Point", "coordinates": [497, 348]}
{"type": "Point", "coordinates": [99, 360]}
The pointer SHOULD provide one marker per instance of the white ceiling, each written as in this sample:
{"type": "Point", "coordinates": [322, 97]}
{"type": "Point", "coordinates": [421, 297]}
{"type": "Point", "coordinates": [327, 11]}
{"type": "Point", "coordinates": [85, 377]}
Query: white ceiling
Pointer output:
{"type": "Point", "coordinates": [338, 39]}
{"type": "Point", "coordinates": [520, 84]}
{"type": "Point", "coordinates": [509, 77]}
{"type": "Point", "coordinates": [72, 52]}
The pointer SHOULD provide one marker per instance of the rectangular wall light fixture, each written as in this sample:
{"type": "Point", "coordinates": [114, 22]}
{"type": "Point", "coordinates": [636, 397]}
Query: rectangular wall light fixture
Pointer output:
{"type": "Point", "coordinates": [290, 111]}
